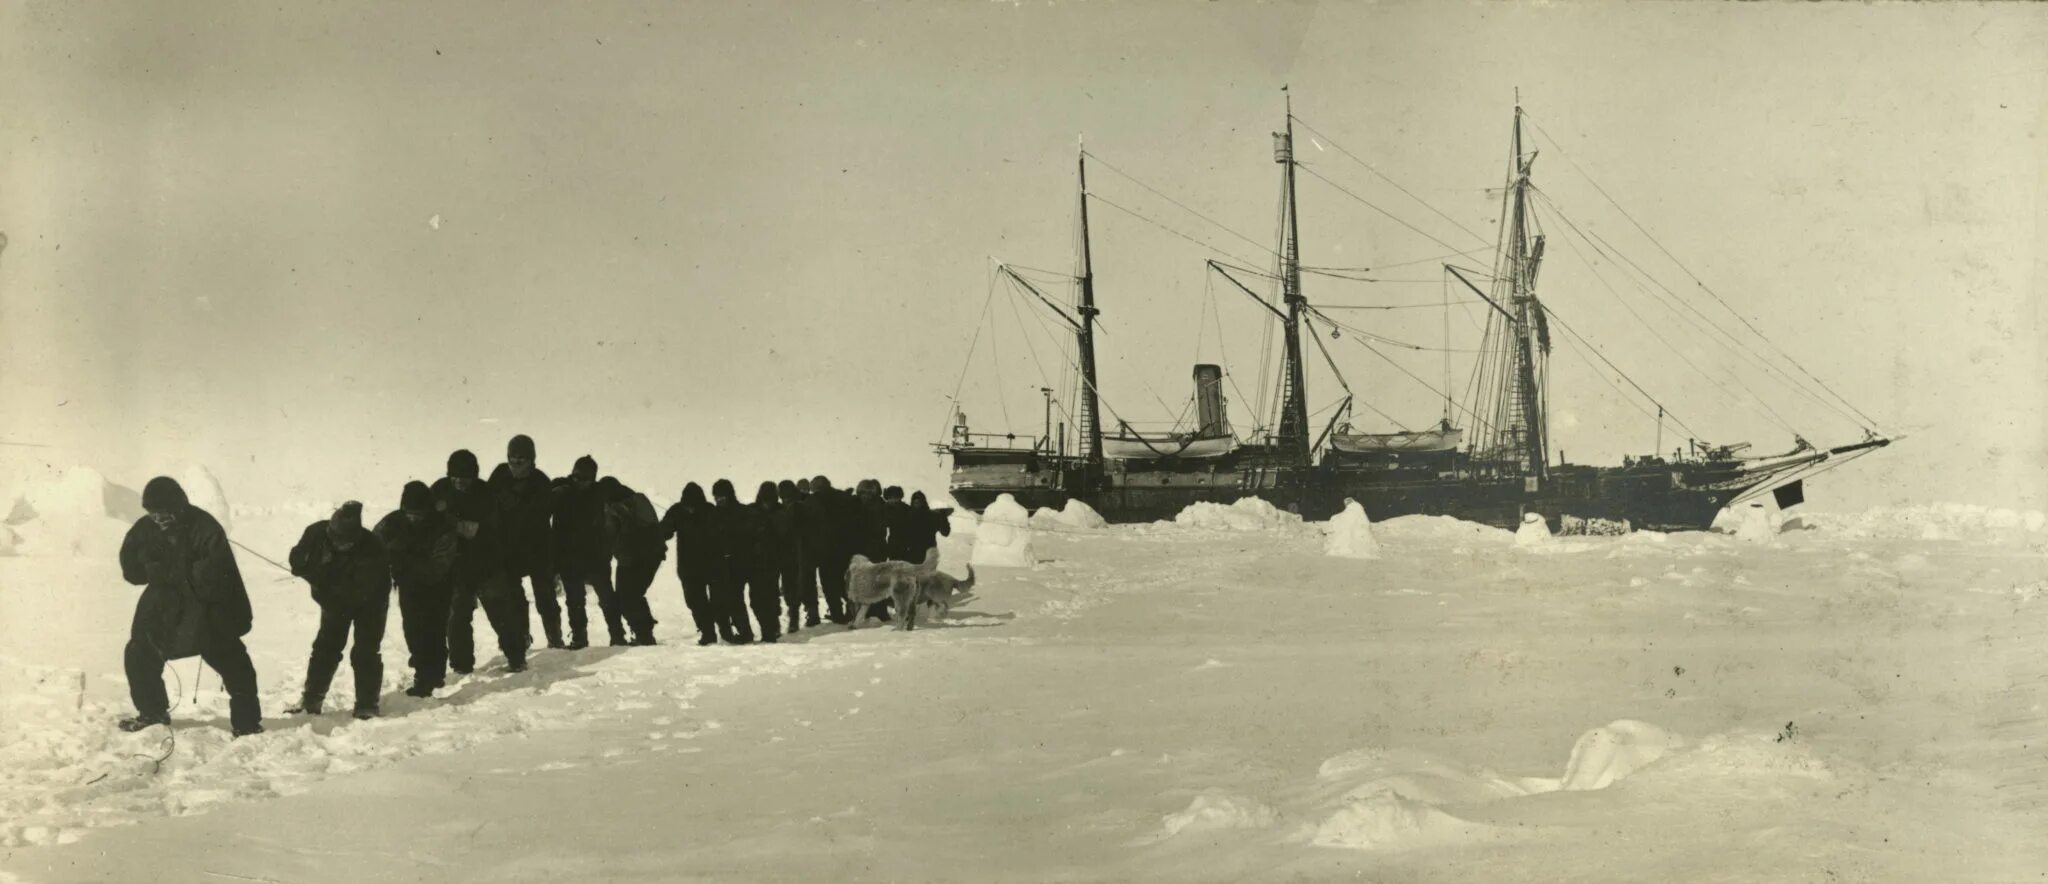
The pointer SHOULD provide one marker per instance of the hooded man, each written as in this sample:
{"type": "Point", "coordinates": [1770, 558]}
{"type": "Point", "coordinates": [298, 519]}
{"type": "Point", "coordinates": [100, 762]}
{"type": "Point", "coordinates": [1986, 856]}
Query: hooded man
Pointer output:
{"type": "Point", "coordinates": [639, 546]}
{"type": "Point", "coordinates": [526, 505]}
{"type": "Point", "coordinates": [896, 520]}
{"type": "Point", "coordinates": [351, 580]}
{"type": "Point", "coordinates": [734, 532]}
{"type": "Point", "coordinates": [583, 553]}
{"type": "Point", "coordinates": [922, 527]}
{"type": "Point", "coordinates": [690, 522]}
{"type": "Point", "coordinates": [762, 561]}
{"type": "Point", "coordinates": [193, 602]}
{"type": "Point", "coordinates": [423, 546]}
{"type": "Point", "coordinates": [479, 576]}
{"type": "Point", "coordinates": [867, 531]}
{"type": "Point", "coordinates": [797, 592]}
{"type": "Point", "coordinates": [824, 546]}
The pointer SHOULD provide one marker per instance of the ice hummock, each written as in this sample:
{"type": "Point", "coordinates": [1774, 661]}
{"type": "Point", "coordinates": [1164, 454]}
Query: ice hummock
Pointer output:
{"type": "Point", "coordinates": [1003, 539]}
{"type": "Point", "coordinates": [1349, 534]}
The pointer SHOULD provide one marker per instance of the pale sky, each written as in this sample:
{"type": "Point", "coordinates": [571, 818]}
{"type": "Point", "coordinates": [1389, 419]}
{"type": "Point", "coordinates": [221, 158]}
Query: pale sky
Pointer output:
{"type": "Point", "coordinates": [753, 240]}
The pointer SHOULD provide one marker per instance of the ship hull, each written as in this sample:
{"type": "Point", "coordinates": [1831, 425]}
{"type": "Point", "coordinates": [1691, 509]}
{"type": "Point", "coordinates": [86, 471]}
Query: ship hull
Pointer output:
{"type": "Point", "coordinates": [1683, 497]}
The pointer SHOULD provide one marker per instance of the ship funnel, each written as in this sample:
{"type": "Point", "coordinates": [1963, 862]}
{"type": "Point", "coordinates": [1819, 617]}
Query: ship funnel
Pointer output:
{"type": "Point", "coordinates": [1209, 406]}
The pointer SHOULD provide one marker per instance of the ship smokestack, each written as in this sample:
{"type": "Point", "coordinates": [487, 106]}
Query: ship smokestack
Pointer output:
{"type": "Point", "coordinates": [1209, 401]}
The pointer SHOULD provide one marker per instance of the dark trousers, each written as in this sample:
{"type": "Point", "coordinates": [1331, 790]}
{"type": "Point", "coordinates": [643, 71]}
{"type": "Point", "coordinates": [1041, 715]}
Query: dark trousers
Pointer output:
{"type": "Point", "coordinates": [423, 615]}
{"type": "Point", "coordinates": [764, 595]}
{"type": "Point", "coordinates": [634, 579]}
{"type": "Point", "coordinates": [798, 594]}
{"type": "Point", "coordinates": [597, 575]}
{"type": "Point", "coordinates": [504, 604]}
{"type": "Point", "coordinates": [697, 594]}
{"type": "Point", "coordinates": [828, 572]}
{"type": "Point", "coordinates": [225, 653]}
{"type": "Point", "coordinates": [548, 604]}
{"type": "Point", "coordinates": [365, 658]}
{"type": "Point", "coordinates": [729, 600]}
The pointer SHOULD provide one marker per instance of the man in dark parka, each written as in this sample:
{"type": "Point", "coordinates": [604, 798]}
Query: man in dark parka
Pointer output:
{"type": "Point", "coordinates": [825, 547]}
{"type": "Point", "coordinates": [193, 601]}
{"type": "Point", "coordinates": [351, 579]}
{"type": "Point", "coordinates": [689, 521]}
{"type": "Point", "coordinates": [423, 547]}
{"type": "Point", "coordinates": [583, 553]}
{"type": "Point", "coordinates": [734, 529]}
{"type": "Point", "coordinates": [798, 593]}
{"type": "Point", "coordinates": [639, 546]}
{"type": "Point", "coordinates": [479, 577]}
{"type": "Point", "coordinates": [526, 505]}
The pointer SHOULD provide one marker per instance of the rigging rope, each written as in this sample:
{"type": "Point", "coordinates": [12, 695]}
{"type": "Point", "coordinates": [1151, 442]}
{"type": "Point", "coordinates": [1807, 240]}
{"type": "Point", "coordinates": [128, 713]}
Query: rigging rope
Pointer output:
{"type": "Point", "coordinates": [1200, 242]}
{"type": "Point", "coordinates": [973, 342]}
{"type": "Point", "coordinates": [1184, 207]}
{"type": "Point", "coordinates": [1754, 398]}
{"type": "Point", "coordinates": [1704, 323]}
{"type": "Point", "coordinates": [1368, 204]}
{"type": "Point", "coordinates": [1695, 277]}
{"type": "Point", "coordinates": [1383, 176]}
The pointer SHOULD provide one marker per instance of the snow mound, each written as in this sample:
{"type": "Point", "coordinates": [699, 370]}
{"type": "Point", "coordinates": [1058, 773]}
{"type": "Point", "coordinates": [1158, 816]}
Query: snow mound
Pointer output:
{"type": "Point", "coordinates": [1349, 534]}
{"type": "Point", "coordinates": [1415, 776]}
{"type": "Point", "coordinates": [1388, 821]}
{"type": "Point", "coordinates": [1244, 514]}
{"type": "Point", "coordinates": [1216, 810]}
{"type": "Point", "coordinates": [1079, 516]}
{"type": "Point", "coordinates": [1434, 529]}
{"type": "Point", "coordinates": [204, 491]}
{"type": "Point", "coordinates": [1534, 532]}
{"type": "Point", "coordinates": [73, 513]}
{"type": "Point", "coordinates": [1757, 523]}
{"type": "Point", "coordinates": [1003, 539]}
{"type": "Point", "coordinates": [1606, 754]}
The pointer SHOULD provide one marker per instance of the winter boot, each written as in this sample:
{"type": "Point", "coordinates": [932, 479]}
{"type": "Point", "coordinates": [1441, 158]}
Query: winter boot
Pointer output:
{"type": "Point", "coordinates": [365, 713]}
{"type": "Point", "coordinates": [810, 616]}
{"type": "Point", "coordinates": [553, 628]}
{"type": "Point", "coordinates": [515, 666]}
{"type": "Point", "coordinates": [251, 730]}
{"type": "Point", "coordinates": [142, 721]}
{"type": "Point", "coordinates": [793, 622]}
{"type": "Point", "coordinates": [307, 706]}
{"type": "Point", "coordinates": [578, 641]}
{"type": "Point", "coordinates": [421, 690]}
{"type": "Point", "coordinates": [707, 639]}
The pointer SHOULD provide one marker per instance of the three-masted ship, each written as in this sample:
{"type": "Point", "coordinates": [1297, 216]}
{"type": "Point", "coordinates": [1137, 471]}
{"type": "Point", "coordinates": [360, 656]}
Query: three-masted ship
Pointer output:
{"type": "Point", "coordinates": [1495, 470]}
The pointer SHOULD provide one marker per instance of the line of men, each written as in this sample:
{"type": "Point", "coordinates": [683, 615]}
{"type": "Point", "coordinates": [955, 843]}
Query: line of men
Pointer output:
{"type": "Point", "coordinates": [465, 543]}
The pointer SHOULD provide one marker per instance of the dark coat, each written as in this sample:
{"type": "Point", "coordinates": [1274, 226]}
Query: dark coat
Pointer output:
{"type": "Point", "coordinates": [191, 563]}
{"type": "Point", "coordinates": [635, 529]}
{"type": "Point", "coordinates": [422, 552]}
{"type": "Point", "coordinates": [868, 527]}
{"type": "Point", "coordinates": [697, 549]}
{"type": "Point", "coordinates": [817, 523]}
{"type": "Point", "coordinates": [737, 528]}
{"type": "Point", "coordinates": [478, 556]}
{"type": "Point", "coordinates": [581, 534]}
{"type": "Point", "coordinates": [913, 531]}
{"type": "Point", "coordinates": [527, 507]}
{"type": "Point", "coordinates": [342, 578]}
{"type": "Point", "coordinates": [782, 534]}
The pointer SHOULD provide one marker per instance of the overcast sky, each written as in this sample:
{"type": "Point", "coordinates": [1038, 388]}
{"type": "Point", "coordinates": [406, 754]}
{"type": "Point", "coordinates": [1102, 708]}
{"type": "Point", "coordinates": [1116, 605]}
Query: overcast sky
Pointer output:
{"type": "Point", "coordinates": [318, 248]}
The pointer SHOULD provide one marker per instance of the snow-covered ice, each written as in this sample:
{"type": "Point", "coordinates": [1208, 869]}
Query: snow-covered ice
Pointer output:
{"type": "Point", "coordinates": [1161, 702]}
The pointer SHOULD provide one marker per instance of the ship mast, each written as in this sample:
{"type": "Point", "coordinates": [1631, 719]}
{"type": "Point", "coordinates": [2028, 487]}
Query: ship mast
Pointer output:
{"type": "Point", "coordinates": [1090, 424]}
{"type": "Point", "coordinates": [1293, 435]}
{"type": "Point", "coordinates": [1524, 259]}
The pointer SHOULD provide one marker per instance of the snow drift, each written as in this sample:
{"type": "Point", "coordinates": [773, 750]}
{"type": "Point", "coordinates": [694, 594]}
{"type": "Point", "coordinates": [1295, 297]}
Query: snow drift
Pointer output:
{"type": "Point", "coordinates": [1245, 514]}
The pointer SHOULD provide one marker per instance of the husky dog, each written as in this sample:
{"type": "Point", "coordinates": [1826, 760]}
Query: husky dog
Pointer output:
{"type": "Point", "coordinates": [868, 583]}
{"type": "Point", "coordinates": [943, 591]}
